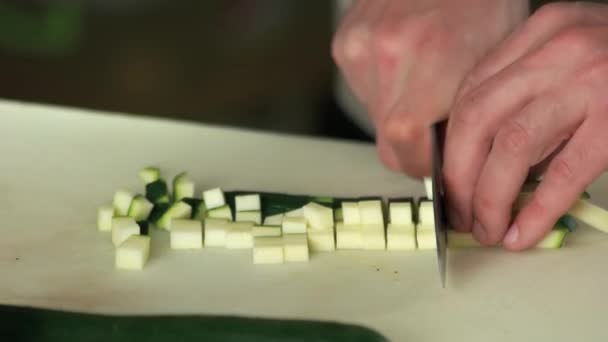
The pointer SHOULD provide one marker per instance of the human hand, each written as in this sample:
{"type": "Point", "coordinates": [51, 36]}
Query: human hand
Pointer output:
{"type": "Point", "coordinates": [405, 59]}
{"type": "Point", "coordinates": [540, 95]}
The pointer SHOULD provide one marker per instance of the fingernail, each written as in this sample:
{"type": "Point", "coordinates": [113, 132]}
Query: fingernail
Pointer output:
{"type": "Point", "coordinates": [478, 231]}
{"type": "Point", "coordinates": [512, 235]}
{"type": "Point", "coordinates": [454, 218]}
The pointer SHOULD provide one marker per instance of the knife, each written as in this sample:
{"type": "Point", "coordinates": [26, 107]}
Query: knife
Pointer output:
{"type": "Point", "coordinates": [441, 224]}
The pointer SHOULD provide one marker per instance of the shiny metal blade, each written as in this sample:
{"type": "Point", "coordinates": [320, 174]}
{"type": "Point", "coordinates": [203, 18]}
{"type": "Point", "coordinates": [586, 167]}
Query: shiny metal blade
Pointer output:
{"type": "Point", "coordinates": [439, 199]}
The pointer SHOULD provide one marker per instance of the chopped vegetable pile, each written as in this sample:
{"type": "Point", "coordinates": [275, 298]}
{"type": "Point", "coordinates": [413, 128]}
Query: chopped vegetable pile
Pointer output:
{"type": "Point", "coordinates": [284, 228]}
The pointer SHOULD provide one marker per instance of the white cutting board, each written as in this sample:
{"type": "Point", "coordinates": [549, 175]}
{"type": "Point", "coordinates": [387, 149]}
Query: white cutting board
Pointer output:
{"type": "Point", "coordinates": [58, 165]}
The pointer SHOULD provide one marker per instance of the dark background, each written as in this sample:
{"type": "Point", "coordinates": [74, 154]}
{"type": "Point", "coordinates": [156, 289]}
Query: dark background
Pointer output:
{"type": "Point", "coordinates": [262, 64]}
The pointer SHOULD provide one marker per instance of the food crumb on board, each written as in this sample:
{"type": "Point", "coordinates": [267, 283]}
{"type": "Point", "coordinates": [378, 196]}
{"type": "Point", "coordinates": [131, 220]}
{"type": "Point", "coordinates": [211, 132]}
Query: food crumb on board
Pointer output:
{"type": "Point", "coordinates": [17, 259]}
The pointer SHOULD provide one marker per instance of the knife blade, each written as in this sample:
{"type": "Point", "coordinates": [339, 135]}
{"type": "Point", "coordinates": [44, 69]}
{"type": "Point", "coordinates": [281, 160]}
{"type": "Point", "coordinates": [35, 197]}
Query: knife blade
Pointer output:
{"type": "Point", "coordinates": [437, 139]}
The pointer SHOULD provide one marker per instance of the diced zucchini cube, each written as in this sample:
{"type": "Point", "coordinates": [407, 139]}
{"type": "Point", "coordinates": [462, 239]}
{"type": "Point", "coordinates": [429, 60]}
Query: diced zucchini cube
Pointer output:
{"type": "Point", "coordinates": [214, 198]}
{"type": "Point", "coordinates": [401, 237]}
{"type": "Point", "coordinates": [426, 215]}
{"type": "Point", "coordinates": [274, 220]}
{"type": "Point", "coordinates": [247, 203]}
{"type": "Point", "coordinates": [351, 213]}
{"type": "Point", "coordinates": [157, 192]}
{"type": "Point", "coordinates": [215, 232]}
{"type": "Point", "coordinates": [122, 202]}
{"type": "Point", "coordinates": [294, 225]}
{"type": "Point", "coordinates": [349, 236]}
{"type": "Point", "coordinates": [149, 174]}
{"type": "Point", "coordinates": [371, 212]}
{"type": "Point", "coordinates": [122, 229]}
{"type": "Point", "coordinates": [461, 240]}
{"type": "Point", "coordinates": [428, 186]}
{"type": "Point", "coordinates": [266, 231]}
{"type": "Point", "coordinates": [318, 216]}
{"type": "Point", "coordinates": [223, 212]}
{"type": "Point", "coordinates": [254, 217]}
{"type": "Point", "coordinates": [401, 213]}
{"type": "Point", "coordinates": [183, 187]}
{"type": "Point", "coordinates": [295, 213]}
{"type": "Point", "coordinates": [239, 235]}
{"type": "Point", "coordinates": [140, 208]}
{"type": "Point", "coordinates": [186, 234]}
{"type": "Point", "coordinates": [295, 248]}
{"type": "Point", "coordinates": [338, 215]}
{"type": "Point", "coordinates": [133, 253]}
{"type": "Point", "coordinates": [105, 214]}
{"type": "Point", "coordinates": [426, 239]}
{"type": "Point", "coordinates": [268, 250]}
{"type": "Point", "coordinates": [178, 210]}
{"type": "Point", "coordinates": [372, 237]}
{"type": "Point", "coordinates": [321, 240]}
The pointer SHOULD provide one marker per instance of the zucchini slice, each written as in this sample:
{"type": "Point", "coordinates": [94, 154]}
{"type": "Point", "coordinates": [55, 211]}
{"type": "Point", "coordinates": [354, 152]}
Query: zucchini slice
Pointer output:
{"type": "Point", "coordinates": [590, 214]}
{"type": "Point", "coordinates": [27, 324]}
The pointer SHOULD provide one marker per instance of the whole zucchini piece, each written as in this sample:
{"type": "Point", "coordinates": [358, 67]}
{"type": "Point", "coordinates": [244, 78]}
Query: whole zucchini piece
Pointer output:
{"type": "Point", "coordinates": [27, 324]}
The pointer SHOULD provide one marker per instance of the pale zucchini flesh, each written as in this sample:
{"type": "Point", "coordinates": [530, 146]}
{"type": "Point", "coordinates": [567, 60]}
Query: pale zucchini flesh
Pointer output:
{"type": "Point", "coordinates": [149, 174]}
{"type": "Point", "coordinates": [104, 218]}
{"type": "Point", "coordinates": [122, 202]}
{"type": "Point", "coordinates": [133, 253]}
{"type": "Point", "coordinates": [186, 234]}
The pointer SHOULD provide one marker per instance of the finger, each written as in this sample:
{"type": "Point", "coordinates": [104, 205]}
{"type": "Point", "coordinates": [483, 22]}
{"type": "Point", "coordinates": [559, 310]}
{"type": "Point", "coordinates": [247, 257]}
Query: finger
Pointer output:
{"type": "Point", "coordinates": [534, 33]}
{"type": "Point", "coordinates": [582, 160]}
{"type": "Point", "coordinates": [387, 154]}
{"type": "Point", "coordinates": [472, 126]}
{"type": "Point", "coordinates": [423, 102]}
{"type": "Point", "coordinates": [391, 54]}
{"type": "Point", "coordinates": [351, 48]}
{"type": "Point", "coordinates": [523, 141]}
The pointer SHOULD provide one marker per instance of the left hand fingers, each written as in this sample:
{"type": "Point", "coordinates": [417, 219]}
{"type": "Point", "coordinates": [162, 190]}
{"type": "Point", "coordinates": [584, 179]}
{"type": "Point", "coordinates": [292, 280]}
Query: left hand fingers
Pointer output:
{"type": "Point", "coordinates": [522, 141]}
{"type": "Point", "coordinates": [583, 159]}
{"type": "Point", "coordinates": [484, 109]}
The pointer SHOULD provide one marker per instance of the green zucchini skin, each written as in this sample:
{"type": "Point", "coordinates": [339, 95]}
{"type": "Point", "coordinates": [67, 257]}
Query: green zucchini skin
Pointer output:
{"type": "Point", "coordinates": [26, 324]}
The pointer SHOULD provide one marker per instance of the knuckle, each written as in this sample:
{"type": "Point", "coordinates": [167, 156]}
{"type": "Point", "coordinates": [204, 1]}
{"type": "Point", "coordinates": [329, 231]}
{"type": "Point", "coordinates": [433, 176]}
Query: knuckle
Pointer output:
{"type": "Point", "coordinates": [561, 171]}
{"type": "Point", "coordinates": [468, 84]}
{"type": "Point", "coordinates": [552, 13]}
{"type": "Point", "coordinates": [399, 131]}
{"type": "Point", "coordinates": [465, 113]}
{"type": "Point", "coordinates": [388, 41]}
{"type": "Point", "coordinates": [513, 138]}
{"type": "Point", "coordinates": [574, 39]}
{"type": "Point", "coordinates": [351, 44]}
